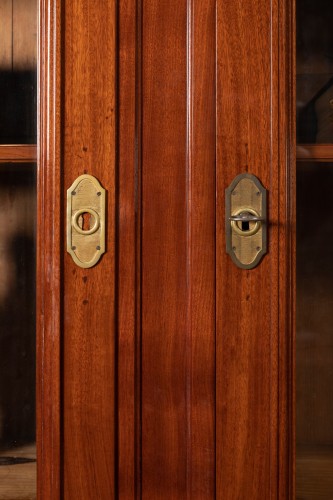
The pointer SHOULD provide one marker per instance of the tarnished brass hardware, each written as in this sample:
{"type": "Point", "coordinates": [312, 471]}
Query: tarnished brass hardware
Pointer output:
{"type": "Point", "coordinates": [246, 217]}
{"type": "Point", "coordinates": [246, 228]}
{"type": "Point", "coordinates": [86, 207]}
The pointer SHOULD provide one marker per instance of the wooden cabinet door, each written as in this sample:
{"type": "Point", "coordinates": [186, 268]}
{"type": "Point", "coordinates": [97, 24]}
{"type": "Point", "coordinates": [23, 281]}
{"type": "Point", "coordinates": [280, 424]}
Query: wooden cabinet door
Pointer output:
{"type": "Point", "coordinates": [165, 370]}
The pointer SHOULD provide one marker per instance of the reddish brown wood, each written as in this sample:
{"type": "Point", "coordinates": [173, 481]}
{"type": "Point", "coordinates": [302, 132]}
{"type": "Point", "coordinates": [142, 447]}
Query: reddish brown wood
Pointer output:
{"type": "Point", "coordinates": [178, 207]}
{"type": "Point", "coordinates": [201, 188]}
{"type": "Point", "coordinates": [165, 293]}
{"type": "Point", "coordinates": [18, 153]}
{"type": "Point", "coordinates": [253, 322]}
{"type": "Point", "coordinates": [128, 252]}
{"type": "Point", "coordinates": [89, 106]}
{"type": "Point", "coordinates": [48, 255]}
{"type": "Point", "coordinates": [317, 152]}
{"type": "Point", "coordinates": [286, 269]}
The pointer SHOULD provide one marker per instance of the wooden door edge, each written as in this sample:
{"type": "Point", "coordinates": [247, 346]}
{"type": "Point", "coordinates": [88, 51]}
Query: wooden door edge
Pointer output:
{"type": "Point", "coordinates": [287, 250]}
{"type": "Point", "coordinates": [48, 279]}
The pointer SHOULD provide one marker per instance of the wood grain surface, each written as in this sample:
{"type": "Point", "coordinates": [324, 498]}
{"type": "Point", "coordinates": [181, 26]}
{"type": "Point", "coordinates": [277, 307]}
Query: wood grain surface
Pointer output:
{"type": "Point", "coordinates": [165, 332]}
{"type": "Point", "coordinates": [201, 187]}
{"type": "Point", "coordinates": [253, 404]}
{"type": "Point", "coordinates": [176, 365]}
{"type": "Point", "coordinates": [128, 253]}
{"type": "Point", "coordinates": [88, 371]}
{"type": "Point", "coordinates": [178, 250]}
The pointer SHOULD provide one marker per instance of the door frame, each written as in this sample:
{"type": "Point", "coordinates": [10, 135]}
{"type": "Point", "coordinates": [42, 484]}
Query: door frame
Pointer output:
{"type": "Point", "coordinates": [49, 249]}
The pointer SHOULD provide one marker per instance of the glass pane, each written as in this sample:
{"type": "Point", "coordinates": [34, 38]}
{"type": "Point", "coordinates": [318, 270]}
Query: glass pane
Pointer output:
{"type": "Point", "coordinates": [314, 71]}
{"type": "Point", "coordinates": [18, 112]}
{"type": "Point", "coordinates": [314, 345]}
{"type": "Point", "coordinates": [18, 52]}
{"type": "Point", "coordinates": [314, 336]}
{"type": "Point", "coordinates": [17, 333]}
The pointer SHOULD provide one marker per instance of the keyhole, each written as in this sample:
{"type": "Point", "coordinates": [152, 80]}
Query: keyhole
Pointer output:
{"type": "Point", "coordinates": [245, 225]}
{"type": "Point", "coordinates": [85, 221]}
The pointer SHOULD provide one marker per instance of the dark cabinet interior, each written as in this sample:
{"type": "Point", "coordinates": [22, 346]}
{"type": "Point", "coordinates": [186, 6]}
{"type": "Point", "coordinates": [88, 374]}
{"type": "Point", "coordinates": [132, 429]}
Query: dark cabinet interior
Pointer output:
{"type": "Point", "coordinates": [18, 136]}
{"type": "Point", "coordinates": [314, 339]}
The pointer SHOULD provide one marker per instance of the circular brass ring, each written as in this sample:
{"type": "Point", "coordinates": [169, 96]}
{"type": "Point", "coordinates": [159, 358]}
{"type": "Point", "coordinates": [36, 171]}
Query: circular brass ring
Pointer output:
{"type": "Point", "coordinates": [83, 211]}
{"type": "Point", "coordinates": [250, 232]}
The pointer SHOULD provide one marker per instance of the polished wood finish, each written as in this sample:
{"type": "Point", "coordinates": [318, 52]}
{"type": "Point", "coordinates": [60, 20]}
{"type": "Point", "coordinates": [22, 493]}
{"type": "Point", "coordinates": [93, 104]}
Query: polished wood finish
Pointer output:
{"type": "Point", "coordinates": [201, 191]}
{"type": "Point", "coordinates": [18, 153]}
{"type": "Point", "coordinates": [128, 251]}
{"type": "Point", "coordinates": [165, 333]}
{"type": "Point", "coordinates": [88, 371]}
{"type": "Point", "coordinates": [178, 248]}
{"type": "Point", "coordinates": [253, 363]}
{"type": "Point", "coordinates": [314, 152]}
{"type": "Point", "coordinates": [49, 251]}
{"type": "Point", "coordinates": [176, 365]}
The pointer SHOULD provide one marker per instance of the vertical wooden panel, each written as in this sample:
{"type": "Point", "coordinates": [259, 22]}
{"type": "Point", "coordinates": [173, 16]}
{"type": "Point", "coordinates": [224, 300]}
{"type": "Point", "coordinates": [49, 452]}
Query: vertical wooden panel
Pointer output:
{"type": "Point", "coordinates": [248, 301]}
{"type": "Point", "coordinates": [24, 39]}
{"type": "Point", "coordinates": [6, 30]}
{"type": "Point", "coordinates": [165, 329]}
{"type": "Point", "coordinates": [89, 298]}
{"type": "Point", "coordinates": [178, 250]}
{"type": "Point", "coordinates": [201, 249]}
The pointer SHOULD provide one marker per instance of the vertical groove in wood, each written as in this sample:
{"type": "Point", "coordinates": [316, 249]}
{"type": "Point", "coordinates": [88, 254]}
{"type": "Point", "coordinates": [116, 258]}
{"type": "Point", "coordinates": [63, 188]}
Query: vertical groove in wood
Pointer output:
{"type": "Point", "coordinates": [290, 433]}
{"type": "Point", "coordinates": [48, 253]}
{"type": "Point", "coordinates": [287, 239]}
{"type": "Point", "coordinates": [89, 343]}
{"type": "Point", "coordinates": [128, 250]}
{"type": "Point", "coordinates": [138, 248]}
{"type": "Point", "coordinates": [189, 278]}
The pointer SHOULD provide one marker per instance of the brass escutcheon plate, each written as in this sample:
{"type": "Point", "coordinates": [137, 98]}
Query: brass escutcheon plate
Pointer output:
{"type": "Point", "coordinates": [246, 242]}
{"type": "Point", "coordinates": [86, 221]}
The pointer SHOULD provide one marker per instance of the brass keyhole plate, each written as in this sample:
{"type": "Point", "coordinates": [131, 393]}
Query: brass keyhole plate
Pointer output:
{"type": "Point", "coordinates": [86, 221]}
{"type": "Point", "coordinates": [246, 243]}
